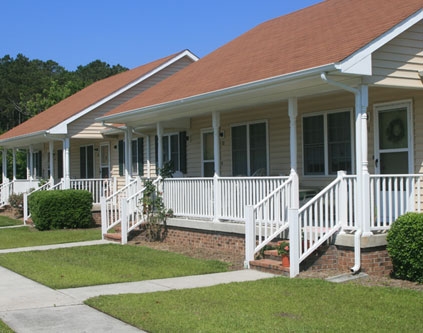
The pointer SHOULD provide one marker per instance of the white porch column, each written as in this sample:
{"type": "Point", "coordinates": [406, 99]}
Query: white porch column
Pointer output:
{"type": "Point", "coordinates": [293, 113]}
{"type": "Point", "coordinates": [159, 146]}
{"type": "Point", "coordinates": [216, 139]}
{"type": "Point", "coordinates": [4, 166]}
{"type": "Point", "coordinates": [148, 156]}
{"type": "Point", "coordinates": [51, 151]}
{"type": "Point", "coordinates": [364, 171]}
{"type": "Point", "coordinates": [14, 163]}
{"type": "Point", "coordinates": [66, 163]}
{"type": "Point", "coordinates": [128, 154]}
{"type": "Point", "coordinates": [31, 162]}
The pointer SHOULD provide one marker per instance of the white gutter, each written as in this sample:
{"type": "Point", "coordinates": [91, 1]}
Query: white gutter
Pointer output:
{"type": "Point", "coordinates": [357, 237]}
{"type": "Point", "coordinates": [210, 96]}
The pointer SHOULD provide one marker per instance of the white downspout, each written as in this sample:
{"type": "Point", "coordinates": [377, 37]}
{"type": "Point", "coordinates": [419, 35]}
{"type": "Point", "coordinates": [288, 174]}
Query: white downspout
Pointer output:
{"type": "Point", "coordinates": [359, 166]}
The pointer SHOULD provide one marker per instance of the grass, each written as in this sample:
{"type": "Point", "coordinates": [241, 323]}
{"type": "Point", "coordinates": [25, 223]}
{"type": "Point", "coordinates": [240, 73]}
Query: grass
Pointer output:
{"type": "Point", "coordinates": [4, 328]}
{"type": "Point", "coordinates": [104, 264]}
{"type": "Point", "coordinates": [27, 236]}
{"type": "Point", "coordinates": [271, 305]}
{"type": "Point", "coordinates": [6, 221]}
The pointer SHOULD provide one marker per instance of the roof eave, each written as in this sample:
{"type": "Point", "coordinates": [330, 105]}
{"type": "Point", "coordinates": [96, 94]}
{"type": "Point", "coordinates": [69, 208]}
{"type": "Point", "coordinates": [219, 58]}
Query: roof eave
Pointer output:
{"type": "Point", "coordinates": [210, 96]}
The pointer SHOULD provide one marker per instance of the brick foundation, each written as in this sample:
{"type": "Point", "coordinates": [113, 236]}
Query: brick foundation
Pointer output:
{"type": "Point", "coordinates": [206, 239]}
{"type": "Point", "coordinates": [374, 261]}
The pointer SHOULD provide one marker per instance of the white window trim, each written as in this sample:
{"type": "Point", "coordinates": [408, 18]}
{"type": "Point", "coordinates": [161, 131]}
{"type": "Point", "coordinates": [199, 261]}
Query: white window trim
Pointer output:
{"type": "Point", "coordinates": [325, 140]}
{"type": "Point", "coordinates": [248, 123]}
{"type": "Point", "coordinates": [102, 144]}
{"type": "Point", "coordinates": [169, 151]}
{"type": "Point", "coordinates": [94, 158]}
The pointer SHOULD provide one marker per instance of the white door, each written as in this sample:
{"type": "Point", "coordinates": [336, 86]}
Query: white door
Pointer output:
{"type": "Point", "coordinates": [393, 139]}
{"type": "Point", "coordinates": [393, 156]}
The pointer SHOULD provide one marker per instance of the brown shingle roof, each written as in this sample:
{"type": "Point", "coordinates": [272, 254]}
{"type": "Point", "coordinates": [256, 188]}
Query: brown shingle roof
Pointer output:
{"type": "Point", "coordinates": [82, 100]}
{"type": "Point", "coordinates": [322, 34]}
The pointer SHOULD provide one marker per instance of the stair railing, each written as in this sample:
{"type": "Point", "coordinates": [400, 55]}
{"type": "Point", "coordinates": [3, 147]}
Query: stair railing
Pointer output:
{"type": "Point", "coordinates": [267, 219]}
{"type": "Point", "coordinates": [133, 211]}
{"type": "Point", "coordinates": [47, 186]}
{"type": "Point", "coordinates": [111, 206]}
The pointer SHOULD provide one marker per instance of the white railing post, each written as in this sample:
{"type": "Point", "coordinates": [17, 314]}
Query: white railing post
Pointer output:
{"type": "Point", "coordinates": [343, 201]}
{"type": "Point", "coordinates": [250, 235]}
{"type": "Point", "coordinates": [104, 218]}
{"type": "Point", "coordinates": [25, 207]}
{"type": "Point", "coordinates": [217, 198]}
{"type": "Point", "coordinates": [124, 222]}
{"type": "Point", "coordinates": [294, 242]}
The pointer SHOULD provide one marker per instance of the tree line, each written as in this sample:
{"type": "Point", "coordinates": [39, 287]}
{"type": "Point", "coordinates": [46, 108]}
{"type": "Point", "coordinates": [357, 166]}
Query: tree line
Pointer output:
{"type": "Point", "coordinates": [28, 87]}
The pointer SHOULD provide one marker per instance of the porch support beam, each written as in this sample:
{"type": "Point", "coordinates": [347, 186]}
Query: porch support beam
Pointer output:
{"type": "Point", "coordinates": [66, 163]}
{"type": "Point", "coordinates": [148, 156]}
{"type": "Point", "coordinates": [14, 163]}
{"type": "Point", "coordinates": [362, 101]}
{"type": "Point", "coordinates": [4, 166]}
{"type": "Point", "coordinates": [51, 165]}
{"type": "Point", "coordinates": [31, 162]}
{"type": "Point", "coordinates": [293, 113]}
{"type": "Point", "coordinates": [216, 138]}
{"type": "Point", "coordinates": [159, 146]}
{"type": "Point", "coordinates": [128, 154]}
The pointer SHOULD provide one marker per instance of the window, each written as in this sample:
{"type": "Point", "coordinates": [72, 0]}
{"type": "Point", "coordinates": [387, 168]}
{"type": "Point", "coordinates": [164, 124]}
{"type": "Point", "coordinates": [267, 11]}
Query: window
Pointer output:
{"type": "Point", "coordinates": [86, 160]}
{"type": "Point", "coordinates": [327, 143]}
{"type": "Point", "coordinates": [208, 154]}
{"type": "Point", "coordinates": [174, 150]}
{"type": "Point", "coordinates": [137, 154]}
{"type": "Point", "coordinates": [60, 163]}
{"type": "Point", "coordinates": [37, 164]}
{"type": "Point", "coordinates": [249, 149]}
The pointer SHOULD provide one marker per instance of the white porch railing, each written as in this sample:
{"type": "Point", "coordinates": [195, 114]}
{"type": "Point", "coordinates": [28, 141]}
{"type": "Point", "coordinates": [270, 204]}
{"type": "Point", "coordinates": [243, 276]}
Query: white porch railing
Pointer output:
{"type": "Point", "coordinates": [133, 211]}
{"type": "Point", "coordinates": [5, 190]}
{"type": "Point", "coordinates": [47, 186]}
{"type": "Point", "coordinates": [111, 206]}
{"type": "Point", "coordinates": [392, 196]}
{"type": "Point", "coordinates": [99, 187]}
{"type": "Point", "coordinates": [324, 215]}
{"type": "Point", "coordinates": [221, 198]}
{"type": "Point", "coordinates": [267, 219]}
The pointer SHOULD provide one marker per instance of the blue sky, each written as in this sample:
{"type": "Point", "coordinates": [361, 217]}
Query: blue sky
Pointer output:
{"type": "Point", "coordinates": [128, 32]}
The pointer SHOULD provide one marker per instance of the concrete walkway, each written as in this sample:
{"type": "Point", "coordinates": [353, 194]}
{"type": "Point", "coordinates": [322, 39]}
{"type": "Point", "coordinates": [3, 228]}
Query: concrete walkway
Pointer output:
{"type": "Point", "coordinates": [27, 306]}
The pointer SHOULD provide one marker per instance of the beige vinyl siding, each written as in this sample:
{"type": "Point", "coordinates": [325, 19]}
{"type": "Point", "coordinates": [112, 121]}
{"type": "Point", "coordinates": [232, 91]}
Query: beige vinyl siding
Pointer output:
{"type": "Point", "coordinates": [276, 117]}
{"type": "Point", "coordinates": [398, 62]}
{"type": "Point", "coordinates": [86, 127]}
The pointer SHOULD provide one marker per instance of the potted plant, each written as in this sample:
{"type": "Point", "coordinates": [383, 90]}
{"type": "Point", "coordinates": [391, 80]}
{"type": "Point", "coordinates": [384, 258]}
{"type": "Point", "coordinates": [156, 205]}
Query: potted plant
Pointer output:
{"type": "Point", "coordinates": [283, 250]}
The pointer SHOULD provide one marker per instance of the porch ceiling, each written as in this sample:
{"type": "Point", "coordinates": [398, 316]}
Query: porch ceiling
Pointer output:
{"type": "Point", "coordinates": [260, 93]}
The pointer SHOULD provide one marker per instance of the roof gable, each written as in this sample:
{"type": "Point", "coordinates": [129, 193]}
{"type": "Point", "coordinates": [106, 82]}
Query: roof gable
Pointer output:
{"type": "Point", "coordinates": [89, 98]}
{"type": "Point", "coordinates": [326, 33]}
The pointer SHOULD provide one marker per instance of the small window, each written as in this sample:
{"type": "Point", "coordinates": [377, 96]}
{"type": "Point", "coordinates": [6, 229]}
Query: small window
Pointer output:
{"type": "Point", "coordinates": [208, 154]}
{"type": "Point", "coordinates": [86, 160]}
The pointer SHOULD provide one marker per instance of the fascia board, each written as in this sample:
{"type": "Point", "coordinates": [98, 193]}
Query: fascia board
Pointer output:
{"type": "Point", "coordinates": [210, 96]}
{"type": "Point", "coordinates": [360, 62]}
{"type": "Point", "coordinates": [62, 127]}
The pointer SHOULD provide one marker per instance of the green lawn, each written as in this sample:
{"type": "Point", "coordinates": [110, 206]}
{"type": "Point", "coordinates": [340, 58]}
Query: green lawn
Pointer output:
{"type": "Point", "coordinates": [7, 221]}
{"type": "Point", "coordinates": [4, 328]}
{"type": "Point", "coordinates": [271, 305]}
{"type": "Point", "coordinates": [27, 236]}
{"type": "Point", "coordinates": [104, 264]}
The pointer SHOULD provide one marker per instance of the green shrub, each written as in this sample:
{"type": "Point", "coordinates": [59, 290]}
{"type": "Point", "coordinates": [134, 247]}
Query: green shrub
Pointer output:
{"type": "Point", "coordinates": [405, 247]}
{"type": "Point", "coordinates": [65, 209]}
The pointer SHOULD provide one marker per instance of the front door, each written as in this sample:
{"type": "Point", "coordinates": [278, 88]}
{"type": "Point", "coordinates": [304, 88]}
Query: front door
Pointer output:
{"type": "Point", "coordinates": [393, 153]}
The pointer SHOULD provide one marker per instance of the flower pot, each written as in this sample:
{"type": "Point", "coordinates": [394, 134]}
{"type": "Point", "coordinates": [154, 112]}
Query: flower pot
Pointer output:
{"type": "Point", "coordinates": [285, 260]}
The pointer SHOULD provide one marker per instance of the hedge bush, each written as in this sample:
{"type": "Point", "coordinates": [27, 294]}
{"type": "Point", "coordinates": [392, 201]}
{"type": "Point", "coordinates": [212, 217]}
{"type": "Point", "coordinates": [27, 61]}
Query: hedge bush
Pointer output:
{"type": "Point", "coordinates": [65, 209]}
{"type": "Point", "coordinates": [405, 247]}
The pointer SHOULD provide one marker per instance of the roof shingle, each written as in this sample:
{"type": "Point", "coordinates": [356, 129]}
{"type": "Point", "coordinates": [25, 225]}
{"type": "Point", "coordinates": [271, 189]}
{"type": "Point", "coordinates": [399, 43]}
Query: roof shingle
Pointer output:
{"type": "Point", "coordinates": [322, 34]}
